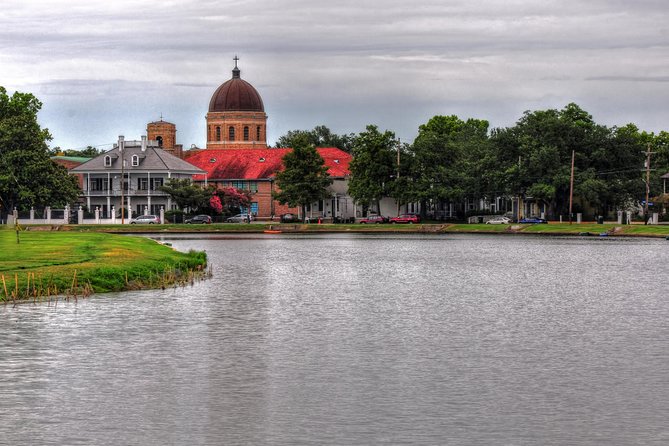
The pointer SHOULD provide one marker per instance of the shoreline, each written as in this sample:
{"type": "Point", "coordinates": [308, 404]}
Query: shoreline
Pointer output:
{"type": "Point", "coordinates": [554, 229]}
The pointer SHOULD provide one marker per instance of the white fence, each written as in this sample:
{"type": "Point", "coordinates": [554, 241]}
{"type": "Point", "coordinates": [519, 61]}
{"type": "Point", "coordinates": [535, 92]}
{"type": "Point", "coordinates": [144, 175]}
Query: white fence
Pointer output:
{"type": "Point", "coordinates": [49, 218]}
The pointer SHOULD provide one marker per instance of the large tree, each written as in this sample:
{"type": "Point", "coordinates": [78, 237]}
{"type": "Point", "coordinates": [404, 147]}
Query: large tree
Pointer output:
{"type": "Point", "coordinates": [534, 157]}
{"type": "Point", "coordinates": [28, 177]}
{"type": "Point", "coordinates": [373, 167]}
{"type": "Point", "coordinates": [305, 177]}
{"type": "Point", "coordinates": [448, 157]}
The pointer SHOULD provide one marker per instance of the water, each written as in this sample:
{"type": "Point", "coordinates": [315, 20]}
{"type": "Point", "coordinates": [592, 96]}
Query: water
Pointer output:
{"type": "Point", "coordinates": [356, 339]}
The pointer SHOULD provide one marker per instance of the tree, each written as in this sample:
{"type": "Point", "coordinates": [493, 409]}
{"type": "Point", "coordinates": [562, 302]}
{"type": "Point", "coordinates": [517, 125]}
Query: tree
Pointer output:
{"type": "Point", "coordinates": [320, 136]}
{"type": "Point", "coordinates": [233, 200]}
{"type": "Point", "coordinates": [305, 177]}
{"type": "Point", "coordinates": [188, 195]}
{"type": "Point", "coordinates": [448, 156]}
{"type": "Point", "coordinates": [373, 167]}
{"type": "Point", "coordinates": [28, 177]}
{"type": "Point", "coordinates": [88, 152]}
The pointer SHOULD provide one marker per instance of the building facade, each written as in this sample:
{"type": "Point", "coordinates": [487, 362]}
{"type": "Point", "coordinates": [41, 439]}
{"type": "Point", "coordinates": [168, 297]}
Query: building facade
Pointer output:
{"type": "Point", "coordinates": [130, 176]}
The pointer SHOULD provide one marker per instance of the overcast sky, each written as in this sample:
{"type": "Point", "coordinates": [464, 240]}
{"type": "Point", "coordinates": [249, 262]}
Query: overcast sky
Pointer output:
{"type": "Point", "coordinates": [105, 68]}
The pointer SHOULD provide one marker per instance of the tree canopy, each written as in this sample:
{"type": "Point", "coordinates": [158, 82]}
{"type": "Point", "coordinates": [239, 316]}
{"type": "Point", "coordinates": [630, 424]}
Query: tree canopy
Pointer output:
{"type": "Point", "coordinates": [28, 177]}
{"type": "Point", "coordinates": [373, 167]}
{"type": "Point", "coordinates": [320, 136]}
{"type": "Point", "coordinates": [304, 178]}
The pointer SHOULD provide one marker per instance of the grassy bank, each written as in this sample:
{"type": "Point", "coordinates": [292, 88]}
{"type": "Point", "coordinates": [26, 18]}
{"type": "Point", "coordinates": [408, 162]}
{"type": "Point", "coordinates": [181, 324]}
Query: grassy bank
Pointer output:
{"type": "Point", "coordinates": [47, 263]}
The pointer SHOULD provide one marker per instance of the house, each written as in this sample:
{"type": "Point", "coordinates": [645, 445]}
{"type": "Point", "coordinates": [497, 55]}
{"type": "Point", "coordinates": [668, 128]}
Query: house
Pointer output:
{"type": "Point", "coordinates": [144, 168]}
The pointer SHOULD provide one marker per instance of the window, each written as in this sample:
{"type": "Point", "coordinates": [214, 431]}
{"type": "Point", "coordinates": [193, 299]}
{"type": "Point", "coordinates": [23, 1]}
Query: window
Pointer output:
{"type": "Point", "coordinates": [156, 183]}
{"type": "Point", "coordinates": [258, 133]}
{"type": "Point", "coordinates": [246, 133]}
{"type": "Point", "coordinates": [253, 186]}
{"type": "Point", "coordinates": [218, 133]}
{"type": "Point", "coordinates": [254, 208]}
{"type": "Point", "coordinates": [99, 184]}
{"type": "Point", "coordinates": [143, 183]}
{"type": "Point", "coordinates": [160, 141]}
{"type": "Point", "coordinates": [108, 161]}
{"type": "Point", "coordinates": [135, 160]}
{"type": "Point", "coordinates": [231, 133]}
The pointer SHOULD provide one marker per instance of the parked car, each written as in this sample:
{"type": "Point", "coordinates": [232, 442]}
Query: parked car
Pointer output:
{"type": "Point", "coordinates": [288, 218]}
{"type": "Point", "coordinates": [532, 220]}
{"type": "Point", "coordinates": [239, 218]}
{"type": "Point", "coordinates": [145, 220]}
{"type": "Point", "coordinates": [406, 218]}
{"type": "Point", "coordinates": [202, 219]}
{"type": "Point", "coordinates": [373, 219]}
{"type": "Point", "coordinates": [498, 220]}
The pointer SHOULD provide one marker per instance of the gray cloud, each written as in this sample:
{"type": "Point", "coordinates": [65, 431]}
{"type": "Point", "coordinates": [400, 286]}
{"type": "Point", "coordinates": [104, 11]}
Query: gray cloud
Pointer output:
{"type": "Point", "coordinates": [343, 64]}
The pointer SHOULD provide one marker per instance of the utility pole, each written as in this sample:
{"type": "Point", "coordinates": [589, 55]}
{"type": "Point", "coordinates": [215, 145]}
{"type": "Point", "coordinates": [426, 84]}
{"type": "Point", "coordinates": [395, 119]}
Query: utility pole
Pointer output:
{"type": "Point", "coordinates": [571, 184]}
{"type": "Point", "coordinates": [645, 207]}
{"type": "Point", "coordinates": [399, 147]}
{"type": "Point", "coordinates": [121, 143]}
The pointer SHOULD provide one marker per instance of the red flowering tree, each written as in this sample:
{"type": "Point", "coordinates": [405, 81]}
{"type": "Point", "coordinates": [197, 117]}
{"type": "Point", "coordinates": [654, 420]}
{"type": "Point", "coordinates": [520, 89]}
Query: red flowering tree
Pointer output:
{"type": "Point", "coordinates": [215, 204]}
{"type": "Point", "coordinates": [233, 200]}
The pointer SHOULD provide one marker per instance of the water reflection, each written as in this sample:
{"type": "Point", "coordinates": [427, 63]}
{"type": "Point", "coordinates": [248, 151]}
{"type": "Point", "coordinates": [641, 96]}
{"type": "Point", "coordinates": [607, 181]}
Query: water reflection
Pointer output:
{"type": "Point", "coordinates": [356, 339]}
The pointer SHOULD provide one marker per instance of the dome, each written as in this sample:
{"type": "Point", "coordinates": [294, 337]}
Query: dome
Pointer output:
{"type": "Point", "coordinates": [236, 95]}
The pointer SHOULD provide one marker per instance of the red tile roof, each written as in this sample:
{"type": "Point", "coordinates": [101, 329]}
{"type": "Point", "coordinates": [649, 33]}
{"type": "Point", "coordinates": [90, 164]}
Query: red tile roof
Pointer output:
{"type": "Point", "coordinates": [255, 164]}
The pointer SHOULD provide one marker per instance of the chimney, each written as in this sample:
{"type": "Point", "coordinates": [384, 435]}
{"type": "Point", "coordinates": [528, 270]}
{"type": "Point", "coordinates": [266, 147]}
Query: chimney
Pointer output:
{"type": "Point", "coordinates": [120, 143]}
{"type": "Point", "coordinates": [143, 143]}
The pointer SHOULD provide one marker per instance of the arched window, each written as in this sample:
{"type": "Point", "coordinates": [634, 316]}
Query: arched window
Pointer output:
{"type": "Point", "coordinates": [135, 159]}
{"type": "Point", "coordinates": [246, 133]}
{"type": "Point", "coordinates": [231, 133]}
{"type": "Point", "coordinates": [107, 161]}
{"type": "Point", "coordinates": [218, 133]}
{"type": "Point", "coordinates": [258, 133]}
{"type": "Point", "coordinates": [160, 141]}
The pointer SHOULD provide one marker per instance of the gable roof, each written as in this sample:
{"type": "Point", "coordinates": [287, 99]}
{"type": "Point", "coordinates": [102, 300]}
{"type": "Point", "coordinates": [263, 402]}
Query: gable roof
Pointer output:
{"type": "Point", "coordinates": [256, 164]}
{"type": "Point", "coordinates": [152, 159]}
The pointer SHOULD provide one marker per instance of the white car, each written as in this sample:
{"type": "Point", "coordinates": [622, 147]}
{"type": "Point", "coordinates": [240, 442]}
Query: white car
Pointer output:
{"type": "Point", "coordinates": [498, 220]}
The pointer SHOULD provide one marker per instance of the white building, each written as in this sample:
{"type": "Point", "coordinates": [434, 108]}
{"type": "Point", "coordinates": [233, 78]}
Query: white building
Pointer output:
{"type": "Point", "coordinates": [144, 168]}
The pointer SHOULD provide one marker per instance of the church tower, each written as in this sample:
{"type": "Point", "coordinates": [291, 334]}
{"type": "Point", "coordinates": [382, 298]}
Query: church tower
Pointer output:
{"type": "Point", "coordinates": [236, 118]}
{"type": "Point", "coordinates": [165, 133]}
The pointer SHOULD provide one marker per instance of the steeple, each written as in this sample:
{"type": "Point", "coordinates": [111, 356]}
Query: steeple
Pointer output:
{"type": "Point", "coordinates": [236, 71]}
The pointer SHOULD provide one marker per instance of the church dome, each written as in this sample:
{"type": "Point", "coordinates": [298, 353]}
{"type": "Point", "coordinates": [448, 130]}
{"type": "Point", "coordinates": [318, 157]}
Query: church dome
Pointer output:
{"type": "Point", "coordinates": [236, 95]}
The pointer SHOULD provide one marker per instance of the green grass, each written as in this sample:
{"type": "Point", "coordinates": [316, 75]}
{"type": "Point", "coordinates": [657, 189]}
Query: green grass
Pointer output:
{"type": "Point", "coordinates": [103, 262]}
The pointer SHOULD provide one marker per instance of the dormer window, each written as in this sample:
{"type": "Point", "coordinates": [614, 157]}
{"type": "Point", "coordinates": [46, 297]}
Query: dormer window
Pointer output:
{"type": "Point", "coordinates": [262, 160]}
{"type": "Point", "coordinates": [108, 161]}
{"type": "Point", "coordinates": [212, 160]}
{"type": "Point", "coordinates": [135, 160]}
{"type": "Point", "coordinates": [336, 161]}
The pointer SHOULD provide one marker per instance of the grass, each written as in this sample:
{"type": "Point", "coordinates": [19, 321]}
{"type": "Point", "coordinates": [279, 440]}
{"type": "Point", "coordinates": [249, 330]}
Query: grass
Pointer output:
{"type": "Point", "coordinates": [58, 262]}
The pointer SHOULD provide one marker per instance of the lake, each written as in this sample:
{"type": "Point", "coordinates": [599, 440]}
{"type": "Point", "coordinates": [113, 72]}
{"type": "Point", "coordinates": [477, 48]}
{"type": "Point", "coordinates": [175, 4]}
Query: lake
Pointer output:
{"type": "Point", "coordinates": [356, 339]}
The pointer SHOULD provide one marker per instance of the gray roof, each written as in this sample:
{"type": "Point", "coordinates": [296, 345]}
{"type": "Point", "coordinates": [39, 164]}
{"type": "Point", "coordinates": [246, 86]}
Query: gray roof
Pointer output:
{"type": "Point", "coordinates": [152, 159]}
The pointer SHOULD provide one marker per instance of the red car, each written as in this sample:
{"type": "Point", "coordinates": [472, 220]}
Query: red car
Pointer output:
{"type": "Point", "coordinates": [373, 219]}
{"type": "Point", "coordinates": [406, 218]}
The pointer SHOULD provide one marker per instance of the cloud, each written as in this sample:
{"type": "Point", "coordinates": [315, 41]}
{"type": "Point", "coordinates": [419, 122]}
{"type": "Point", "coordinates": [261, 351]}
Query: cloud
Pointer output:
{"type": "Point", "coordinates": [343, 64]}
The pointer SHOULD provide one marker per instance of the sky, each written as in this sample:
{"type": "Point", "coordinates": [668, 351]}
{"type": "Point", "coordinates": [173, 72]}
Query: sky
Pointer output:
{"type": "Point", "coordinates": [107, 68]}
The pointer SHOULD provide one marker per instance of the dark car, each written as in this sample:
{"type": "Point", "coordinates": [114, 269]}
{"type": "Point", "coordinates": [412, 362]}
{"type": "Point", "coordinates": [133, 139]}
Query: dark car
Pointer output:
{"type": "Point", "coordinates": [532, 220]}
{"type": "Point", "coordinates": [373, 219]}
{"type": "Point", "coordinates": [202, 219]}
{"type": "Point", "coordinates": [145, 220]}
{"type": "Point", "coordinates": [406, 218]}
{"type": "Point", "coordinates": [288, 218]}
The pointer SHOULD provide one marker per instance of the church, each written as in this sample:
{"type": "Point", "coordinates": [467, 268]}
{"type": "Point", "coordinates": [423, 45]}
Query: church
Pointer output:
{"type": "Point", "coordinates": [237, 154]}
